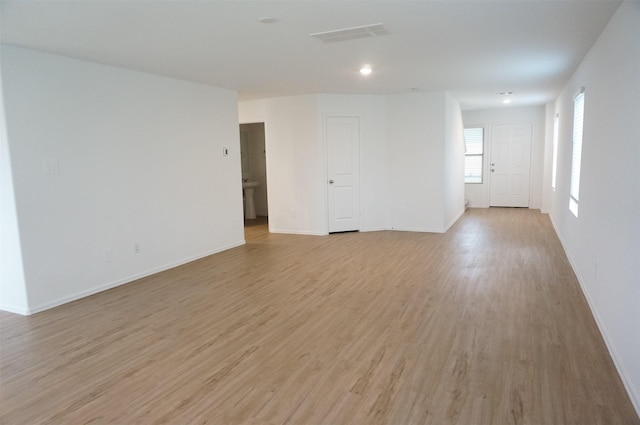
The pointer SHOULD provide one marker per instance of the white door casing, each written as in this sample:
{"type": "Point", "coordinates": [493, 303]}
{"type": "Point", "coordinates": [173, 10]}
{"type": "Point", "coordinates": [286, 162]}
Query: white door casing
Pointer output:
{"type": "Point", "coordinates": [342, 135]}
{"type": "Point", "coordinates": [510, 166]}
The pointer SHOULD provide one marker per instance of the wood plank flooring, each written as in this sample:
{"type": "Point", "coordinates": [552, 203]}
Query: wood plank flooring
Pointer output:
{"type": "Point", "coordinates": [485, 324]}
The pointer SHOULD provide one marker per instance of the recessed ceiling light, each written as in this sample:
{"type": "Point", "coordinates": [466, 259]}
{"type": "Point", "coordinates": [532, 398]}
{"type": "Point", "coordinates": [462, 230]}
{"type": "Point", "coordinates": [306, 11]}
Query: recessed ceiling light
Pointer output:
{"type": "Point", "coordinates": [506, 101]}
{"type": "Point", "coordinates": [267, 20]}
{"type": "Point", "coordinates": [366, 70]}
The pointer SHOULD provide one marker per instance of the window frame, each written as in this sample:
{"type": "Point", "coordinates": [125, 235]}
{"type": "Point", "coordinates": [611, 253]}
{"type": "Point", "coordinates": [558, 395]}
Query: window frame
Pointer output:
{"type": "Point", "coordinates": [554, 163]}
{"type": "Point", "coordinates": [481, 155]}
{"type": "Point", "coordinates": [576, 152]}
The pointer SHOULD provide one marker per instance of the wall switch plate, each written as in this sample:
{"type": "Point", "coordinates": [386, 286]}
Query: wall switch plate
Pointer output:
{"type": "Point", "coordinates": [107, 255]}
{"type": "Point", "coordinates": [51, 166]}
{"type": "Point", "coordinates": [136, 248]}
{"type": "Point", "coordinates": [225, 152]}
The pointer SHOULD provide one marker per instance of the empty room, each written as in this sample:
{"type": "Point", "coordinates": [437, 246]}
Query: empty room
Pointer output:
{"type": "Point", "coordinates": [319, 212]}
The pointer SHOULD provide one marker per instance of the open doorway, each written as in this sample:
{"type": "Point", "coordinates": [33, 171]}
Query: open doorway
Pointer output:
{"type": "Point", "coordinates": [254, 174]}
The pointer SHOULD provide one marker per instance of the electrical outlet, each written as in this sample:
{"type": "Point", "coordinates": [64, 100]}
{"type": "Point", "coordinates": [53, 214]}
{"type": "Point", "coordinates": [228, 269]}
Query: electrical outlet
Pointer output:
{"type": "Point", "coordinates": [136, 248]}
{"type": "Point", "coordinates": [107, 255]}
{"type": "Point", "coordinates": [293, 213]}
{"type": "Point", "coordinates": [403, 210]}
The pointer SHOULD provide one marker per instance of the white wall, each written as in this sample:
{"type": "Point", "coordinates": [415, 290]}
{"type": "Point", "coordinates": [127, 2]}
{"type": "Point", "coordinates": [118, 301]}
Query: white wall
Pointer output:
{"type": "Point", "coordinates": [13, 292]}
{"type": "Point", "coordinates": [549, 116]}
{"type": "Point", "coordinates": [416, 147]}
{"type": "Point", "coordinates": [603, 242]}
{"type": "Point", "coordinates": [478, 194]}
{"type": "Point", "coordinates": [296, 152]}
{"type": "Point", "coordinates": [409, 146]}
{"type": "Point", "coordinates": [426, 161]}
{"type": "Point", "coordinates": [453, 163]}
{"type": "Point", "coordinates": [295, 164]}
{"type": "Point", "coordinates": [140, 161]}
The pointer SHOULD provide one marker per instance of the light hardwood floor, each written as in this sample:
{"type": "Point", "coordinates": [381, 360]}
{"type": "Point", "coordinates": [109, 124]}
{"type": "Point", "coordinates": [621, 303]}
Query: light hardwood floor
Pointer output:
{"type": "Point", "coordinates": [485, 324]}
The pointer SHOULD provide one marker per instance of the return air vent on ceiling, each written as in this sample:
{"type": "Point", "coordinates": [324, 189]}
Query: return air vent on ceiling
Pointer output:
{"type": "Point", "coordinates": [373, 30]}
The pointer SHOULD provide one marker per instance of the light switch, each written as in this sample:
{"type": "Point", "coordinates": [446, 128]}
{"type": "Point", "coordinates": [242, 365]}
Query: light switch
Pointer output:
{"type": "Point", "coordinates": [225, 152]}
{"type": "Point", "coordinates": [51, 166]}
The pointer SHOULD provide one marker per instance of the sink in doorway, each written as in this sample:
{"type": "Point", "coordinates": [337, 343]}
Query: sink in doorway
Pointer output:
{"type": "Point", "coordinates": [249, 203]}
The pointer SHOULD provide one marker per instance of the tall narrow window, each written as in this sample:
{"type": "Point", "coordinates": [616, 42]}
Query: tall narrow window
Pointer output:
{"type": "Point", "coordinates": [554, 166]}
{"type": "Point", "coordinates": [474, 154]}
{"type": "Point", "coordinates": [576, 158]}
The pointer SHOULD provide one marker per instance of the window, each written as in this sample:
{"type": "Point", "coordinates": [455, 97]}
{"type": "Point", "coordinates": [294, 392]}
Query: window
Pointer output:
{"type": "Point", "coordinates": [554, 166]}
{"type": "Point", "coordinates": [576, 158]}
{"type": "Point", "coordinates": [474, 154]}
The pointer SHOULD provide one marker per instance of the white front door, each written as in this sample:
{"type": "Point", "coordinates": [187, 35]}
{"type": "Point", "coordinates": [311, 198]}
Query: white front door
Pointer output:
{"type": "Point", "coordinates": [343, 173]}
{"type": "Point", "coordinates": [510, 165]}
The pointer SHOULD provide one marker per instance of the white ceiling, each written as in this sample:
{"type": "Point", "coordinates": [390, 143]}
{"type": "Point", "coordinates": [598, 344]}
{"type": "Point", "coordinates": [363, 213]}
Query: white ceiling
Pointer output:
{"type": "Point", "coordinates": [474, 49]}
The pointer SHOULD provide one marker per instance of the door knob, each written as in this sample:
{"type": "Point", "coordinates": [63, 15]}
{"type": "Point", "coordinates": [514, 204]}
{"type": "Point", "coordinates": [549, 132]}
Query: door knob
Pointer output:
{"type": "Point", "coordinates": [331, 181]}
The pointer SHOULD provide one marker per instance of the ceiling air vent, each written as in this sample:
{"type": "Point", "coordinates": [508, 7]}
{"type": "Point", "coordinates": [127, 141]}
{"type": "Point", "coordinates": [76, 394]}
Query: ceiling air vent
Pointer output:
{"type": "Point", "coordinates": [373, 30]}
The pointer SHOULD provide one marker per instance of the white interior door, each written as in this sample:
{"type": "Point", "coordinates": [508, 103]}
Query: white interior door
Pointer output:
{"type": "Point", "coordinates": [343, 173]}
{"type": "Point", "coordinates": [510, 165]}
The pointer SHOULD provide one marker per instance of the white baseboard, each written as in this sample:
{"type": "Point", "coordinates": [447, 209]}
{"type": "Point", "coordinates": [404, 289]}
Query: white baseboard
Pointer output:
{"type": "Point", "coordinates": [417, 229]}
{"type": "Point", "coordinates": [429, 229]}
{"type": "Point", "coordinates": [375, 229]}
{"type": "Point", "coordinates": [452, 222]}
{"type": "Point", "coordinates": [297, 232]}
{"type": "Point", "coordinates": [633, 392]}
{"type": "Point", "coordinates": [15, 310]}
{"type": "Point", "coordinates": [94, 290]}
